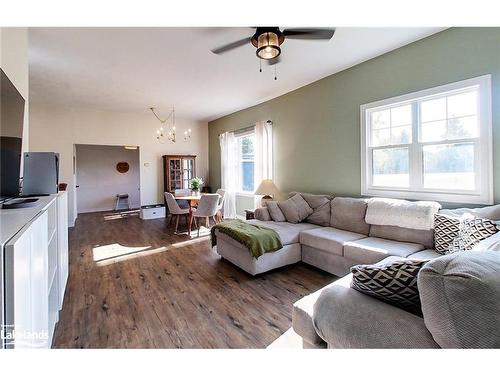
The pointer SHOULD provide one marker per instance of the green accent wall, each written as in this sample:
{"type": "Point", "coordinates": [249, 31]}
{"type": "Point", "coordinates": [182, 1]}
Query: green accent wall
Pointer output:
{"type": "Point", "coordinates": [317, 127]}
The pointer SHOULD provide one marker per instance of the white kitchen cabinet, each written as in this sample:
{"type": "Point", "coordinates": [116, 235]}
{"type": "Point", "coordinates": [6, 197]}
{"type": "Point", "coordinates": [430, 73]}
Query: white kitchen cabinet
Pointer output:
{"type": "Point", "coordinates": [26, 286]}
{"type": "Point", "coordinates": [34, 272]}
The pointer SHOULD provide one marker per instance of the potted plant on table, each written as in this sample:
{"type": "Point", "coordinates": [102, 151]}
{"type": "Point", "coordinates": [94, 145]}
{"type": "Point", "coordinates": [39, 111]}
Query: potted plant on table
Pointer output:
{"type": "Point", "coordinates": [196, 184]}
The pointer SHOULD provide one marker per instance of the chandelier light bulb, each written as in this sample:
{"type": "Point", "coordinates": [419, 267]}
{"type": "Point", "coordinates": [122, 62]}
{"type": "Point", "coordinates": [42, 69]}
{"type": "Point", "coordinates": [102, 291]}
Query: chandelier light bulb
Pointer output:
{"type": "Point", "coordinates": [171, 130]}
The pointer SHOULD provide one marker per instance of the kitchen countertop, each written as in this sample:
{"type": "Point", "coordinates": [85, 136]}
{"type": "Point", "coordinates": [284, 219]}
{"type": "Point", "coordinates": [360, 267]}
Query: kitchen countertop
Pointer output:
{"type": "Point", "coordinates": [13, 220]}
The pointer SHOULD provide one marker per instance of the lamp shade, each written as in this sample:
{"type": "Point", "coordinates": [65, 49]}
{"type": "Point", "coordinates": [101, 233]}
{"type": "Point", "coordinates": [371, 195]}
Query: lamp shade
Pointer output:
{"type": "Point", "coordinates": [267, 187]}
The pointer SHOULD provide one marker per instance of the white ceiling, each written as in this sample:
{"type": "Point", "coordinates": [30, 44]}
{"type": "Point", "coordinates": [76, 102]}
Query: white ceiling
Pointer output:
{"type": "Point", "coordinates": [131, 69]}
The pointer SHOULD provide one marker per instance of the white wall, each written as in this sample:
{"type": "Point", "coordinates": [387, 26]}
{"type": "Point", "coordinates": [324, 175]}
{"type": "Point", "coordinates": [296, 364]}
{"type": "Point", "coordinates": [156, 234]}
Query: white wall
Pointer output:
{"type": "Point", "coordinates": [14, 62]}
{"type": "Point", "coordinates": [58, 129]}
{"type": "Point", "coordinates": [99, 181]}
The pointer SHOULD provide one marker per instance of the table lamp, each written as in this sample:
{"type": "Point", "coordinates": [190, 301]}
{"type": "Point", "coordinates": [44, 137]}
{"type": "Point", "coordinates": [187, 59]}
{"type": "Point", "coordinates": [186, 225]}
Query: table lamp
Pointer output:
{"type": "Point", "coordinates": [268, 189]}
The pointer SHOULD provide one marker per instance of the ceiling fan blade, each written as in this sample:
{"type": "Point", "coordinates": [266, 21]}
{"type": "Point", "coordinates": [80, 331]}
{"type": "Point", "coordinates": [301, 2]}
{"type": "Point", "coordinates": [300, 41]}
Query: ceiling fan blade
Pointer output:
{"type": "Point", "coordinates": [274, 61]}
{"type": "Point", "coordinates": [231, 46]}
{"type": "Point", "coordinates": [317, 34]}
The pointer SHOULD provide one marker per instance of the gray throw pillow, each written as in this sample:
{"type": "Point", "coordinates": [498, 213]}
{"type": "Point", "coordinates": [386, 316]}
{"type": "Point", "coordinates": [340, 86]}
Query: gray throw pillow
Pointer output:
{"type": "Point", "coordinates": [262, 214]}
{"type": "Point", "coordinates": [275, 211]}
{"type": "Point", "coordinates": [395, 282]}
{"type": "Point", "coordinates": [295, 209]}
{"type": "Point", "coordinates": [320, 203]}
{"type": "Point", "coordinates": [349, 214]}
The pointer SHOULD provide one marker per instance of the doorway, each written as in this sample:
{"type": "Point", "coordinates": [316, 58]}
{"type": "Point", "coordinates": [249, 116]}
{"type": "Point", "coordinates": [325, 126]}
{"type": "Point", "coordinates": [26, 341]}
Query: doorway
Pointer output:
{"type": "Point", "coordinates": [103, 172]}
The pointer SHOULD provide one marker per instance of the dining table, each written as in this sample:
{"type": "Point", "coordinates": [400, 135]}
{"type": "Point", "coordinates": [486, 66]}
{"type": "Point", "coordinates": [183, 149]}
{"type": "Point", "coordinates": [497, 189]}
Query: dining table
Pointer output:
{"type": "Point", "coordinates": [192, 201]}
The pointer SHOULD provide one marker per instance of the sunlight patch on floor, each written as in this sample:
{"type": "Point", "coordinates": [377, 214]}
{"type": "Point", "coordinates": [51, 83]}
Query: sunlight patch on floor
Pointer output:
{"type": "Point", "coordinates": [120, 214]}
{"type": "Point", "coordinates": [114, 253]}
{"type": "Point", "coordinates": [204, 232]}
{"type": "Point", "coordinates": [114, 250]}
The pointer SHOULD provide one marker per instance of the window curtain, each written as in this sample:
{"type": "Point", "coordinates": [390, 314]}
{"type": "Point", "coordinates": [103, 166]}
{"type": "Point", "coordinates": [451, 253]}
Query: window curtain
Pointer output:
{"type": "Point", "coordinates": [229, 172]}
{"type": "Point", "coordinates": [263, 155]}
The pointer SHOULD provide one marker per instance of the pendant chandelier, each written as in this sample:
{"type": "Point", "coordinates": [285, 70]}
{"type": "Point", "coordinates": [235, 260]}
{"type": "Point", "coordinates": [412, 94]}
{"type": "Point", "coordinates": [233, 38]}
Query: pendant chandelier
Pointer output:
{"type": "Point", "coordinates": [166, 132]}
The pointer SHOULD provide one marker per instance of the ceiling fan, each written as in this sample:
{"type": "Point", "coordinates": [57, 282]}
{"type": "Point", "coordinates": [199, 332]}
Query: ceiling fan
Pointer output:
{"type": "Point", "coordinates": [267, 41]}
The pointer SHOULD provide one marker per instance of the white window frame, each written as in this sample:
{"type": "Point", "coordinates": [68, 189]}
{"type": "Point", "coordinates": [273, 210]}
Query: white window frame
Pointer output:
{"type": "Point", "coordinates": [483, 146]}
{"type": "Point", "coordinates": [240, 191]}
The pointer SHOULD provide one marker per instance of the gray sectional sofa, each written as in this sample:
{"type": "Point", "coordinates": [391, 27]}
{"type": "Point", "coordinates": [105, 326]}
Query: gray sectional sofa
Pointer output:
{"type": "Point", "coordinates": [334, 238]}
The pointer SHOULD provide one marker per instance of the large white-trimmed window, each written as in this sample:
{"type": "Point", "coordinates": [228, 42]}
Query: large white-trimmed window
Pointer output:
{"type": "Point", "coordinates": [432, 144]}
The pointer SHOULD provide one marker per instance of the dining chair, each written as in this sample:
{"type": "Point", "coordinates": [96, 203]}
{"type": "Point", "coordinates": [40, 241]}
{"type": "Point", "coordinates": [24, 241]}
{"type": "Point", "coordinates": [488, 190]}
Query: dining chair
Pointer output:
{"type": "Point", "coordinates": [175, 210]}
{"type": "Point", "coordinates": [182, 203]}
{"type": "Point", "coordinates": [207, 208]}
{"type": "Point", "coordinates": [222, 198]}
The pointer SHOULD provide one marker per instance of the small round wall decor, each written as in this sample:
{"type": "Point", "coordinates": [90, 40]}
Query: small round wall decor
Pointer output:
{"type": "Point", "coordinates": [122, 167]}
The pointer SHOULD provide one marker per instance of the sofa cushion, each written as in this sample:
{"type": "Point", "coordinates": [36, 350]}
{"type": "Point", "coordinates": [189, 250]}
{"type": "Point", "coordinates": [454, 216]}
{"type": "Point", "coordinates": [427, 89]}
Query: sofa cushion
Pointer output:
{"type": "Point", "coordinates": [488, 212]}
{"type": "Point", "coordinates": [320, 204]}
{"type": "Point", "coordinates": [391, 232]}
{"type": "Point", "coordinates": [346, 318]}
{"type": "Point", "coordinates": [349, 214]}
{"type": "Point", "coordinates": [302, 313]}
{"type": "Point", "coordinates": [328, 239]}
{"type": "Point", "coordinates": [394, 283]}
{"type": "Point", "coordinates": [491, 243]}
{"type": "Point", "coordinates": [372, 249]}
{"type": "Point", "coordinates": [295, 209]}
{"type": "Point", "coordinates": [460, 296]}
{"type": "Point", "coordinates": [275, 211]}
{"type": "Point", "coordinates": [288, 232]}
{"type": "Point", "coordinates": [262, 213]}
{"type": "Point", "coordinates": [426, 254]}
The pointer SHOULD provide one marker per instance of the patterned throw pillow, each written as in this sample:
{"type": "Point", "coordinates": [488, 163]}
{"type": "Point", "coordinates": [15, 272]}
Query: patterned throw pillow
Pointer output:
{"type": "Point", "coordinates": [446, 229]}
{"type": "Point", "coordinates": [395, 283]}
{"type": "Point", "coordinates": [473, 231]}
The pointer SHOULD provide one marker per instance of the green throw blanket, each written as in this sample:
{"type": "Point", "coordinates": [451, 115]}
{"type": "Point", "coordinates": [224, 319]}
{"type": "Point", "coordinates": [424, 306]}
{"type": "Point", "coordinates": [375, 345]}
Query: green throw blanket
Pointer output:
{"type": "Point", "coordinates": [259, 240]}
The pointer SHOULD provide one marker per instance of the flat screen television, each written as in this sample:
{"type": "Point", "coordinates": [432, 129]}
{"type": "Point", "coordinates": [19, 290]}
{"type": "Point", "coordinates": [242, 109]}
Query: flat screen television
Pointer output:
{"type": "Point", "coordinates": [11, 137]}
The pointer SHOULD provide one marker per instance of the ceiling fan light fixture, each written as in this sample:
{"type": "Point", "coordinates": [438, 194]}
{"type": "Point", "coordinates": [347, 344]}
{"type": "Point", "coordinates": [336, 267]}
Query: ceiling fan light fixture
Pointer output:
{"type": "Point", "coordinates": [268, 45]}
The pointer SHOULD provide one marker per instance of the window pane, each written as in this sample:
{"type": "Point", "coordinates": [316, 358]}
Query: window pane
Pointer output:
{"type": "Point", "coordinates": [247, 180]}
{"type": "Point", "coordinates": [432, 110]}
{"type": "Point", "coordinates": [390, 167]}
{"type": "Point", "coordinates": [449, 166]}
{"type": "Point", "coordinates": [433, 131]}
{"type": "Point", "coordinates": [401, 135]}
{"type": "Point", "coordinates": [381, 137]}
{"type": "Point", "coordinates": [463, 127]}
{"type": "Point", "coordinates": [247, 147]}
{"type": "Point", "coordinates": [462, 104]}
{"type": "Point", "coordinates": [401, 115]}
{"type": "Point", "coordinates": [381, 119]}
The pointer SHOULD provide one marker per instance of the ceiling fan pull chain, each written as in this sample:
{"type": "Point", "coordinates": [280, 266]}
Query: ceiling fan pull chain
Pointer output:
{"type": "Point", "coordinates": [275, 70]}
{"type": "Point", "coordinates": [260, 65]}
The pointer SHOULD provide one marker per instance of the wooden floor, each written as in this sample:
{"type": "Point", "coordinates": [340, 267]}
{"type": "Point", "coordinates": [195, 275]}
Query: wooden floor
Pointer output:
{"type": "Point", "coordinates": [171, 294]}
